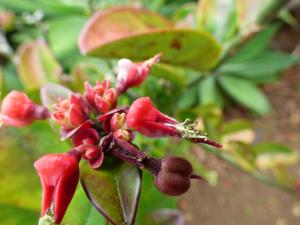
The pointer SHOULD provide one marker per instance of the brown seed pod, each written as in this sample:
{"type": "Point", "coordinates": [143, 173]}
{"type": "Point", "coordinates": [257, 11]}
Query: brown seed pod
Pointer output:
{"type": "Point", "coordinates": [172, 183]}
{"type": "Point", "coordinates": [174, 175]}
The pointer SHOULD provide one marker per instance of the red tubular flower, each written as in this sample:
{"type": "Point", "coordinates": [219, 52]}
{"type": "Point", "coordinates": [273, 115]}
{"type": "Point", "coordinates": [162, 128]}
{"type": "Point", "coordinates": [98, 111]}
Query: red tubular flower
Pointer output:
{"type": "Point", "coordinates": [18, 110]}
{"type": "Point", "coordinates": [133, 74]}
{"type": "Point", "coordinates": [146, 119]}
{"type": "Point", "coordinates": [143, 117]}
{"type": "Point", "coordinates": [71, 113]}
{"type": "Point", "coordinates": [101, 98]}
{"type": "Point", "coordinates": [59, 175]}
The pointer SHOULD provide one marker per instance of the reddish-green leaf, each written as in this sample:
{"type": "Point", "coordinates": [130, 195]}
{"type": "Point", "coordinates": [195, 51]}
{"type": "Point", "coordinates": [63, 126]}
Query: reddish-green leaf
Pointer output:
{"type": "Point", "coordinates": [139, 34]}
{"type": "Point", "coordinates": [114, 190]}
{"type": "Point", "coordinates": [36, 65]}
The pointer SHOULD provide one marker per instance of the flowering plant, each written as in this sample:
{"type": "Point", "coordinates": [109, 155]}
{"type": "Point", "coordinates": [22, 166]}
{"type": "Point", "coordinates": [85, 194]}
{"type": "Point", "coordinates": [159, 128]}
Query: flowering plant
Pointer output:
{"type": "Point", "coordinates": [99, 129]}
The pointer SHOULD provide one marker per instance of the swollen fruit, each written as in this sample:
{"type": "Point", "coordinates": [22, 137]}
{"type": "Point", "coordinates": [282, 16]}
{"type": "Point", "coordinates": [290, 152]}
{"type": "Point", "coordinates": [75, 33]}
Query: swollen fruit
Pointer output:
{"type": "Point", "coordinates": [174, 175]}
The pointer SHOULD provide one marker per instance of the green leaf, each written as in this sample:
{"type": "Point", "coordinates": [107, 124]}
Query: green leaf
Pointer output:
{"type": "Point", "coordinates": [36, 65]}
{"type": "Point", "coordinates": [255, 46]}
{"type": "Point", "coordinates": [54, 7]}
{"type": "Point", "coordinates": [2, 84]}
{"type": "Point", "coordinates": [188, 98]}
{"type": "Point", "coordinates": [139, 34]}
{"type": "Point", "coordinates": [82, 212]}
{"type": "Point", "coordinates": [272, 148]}
{"type": "Point", "coordinates": [245, 93]}
{"type": "Point", "coordinates": [218, 17]}
{"type": "Point", "coordinates": [265, 64]}
{"type": "Point", "coordinates": [62, 41]}
{"type": "Point", "coordinates": [174, 74]}
{"type": "Point", "coordinates": [12, 215]}
{"type": "Point", "coordinates": [209, 92]}
{"type": "Point", "coordinates": [114, 190]}
{"type": "Point", "coordinates": [51, 93]}
{"type": "Point", "coordinates": [236, 125]}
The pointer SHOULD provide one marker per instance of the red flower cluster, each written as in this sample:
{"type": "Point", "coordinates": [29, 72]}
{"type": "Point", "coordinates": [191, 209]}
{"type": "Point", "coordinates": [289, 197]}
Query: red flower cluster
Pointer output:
{"type": "Point", "coordinates": [96, 127]}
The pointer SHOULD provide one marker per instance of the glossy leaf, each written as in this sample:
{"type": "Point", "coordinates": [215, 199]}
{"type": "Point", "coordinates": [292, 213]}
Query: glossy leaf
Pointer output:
{"type": "Point", "coordinates": [209, 92]}
{"type": "Point", "coordinates": [114, 190]}
{"type": "Point", "coordinates": [122, 22]}
{"type": "Point", "coordinates": [50, 93]}
{"type": "Point", "coordinates": [139, 34]}
{"type": "Point", "coordinates": [36, 65]}
{"type": "Point", "coordinates": [246, 94]}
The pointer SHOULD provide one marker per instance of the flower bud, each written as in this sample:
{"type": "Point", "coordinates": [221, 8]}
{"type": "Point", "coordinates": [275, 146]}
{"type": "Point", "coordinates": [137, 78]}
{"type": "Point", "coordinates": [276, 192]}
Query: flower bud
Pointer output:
{"type": "Point", "coordinates": [59, 175]}
{"type": "Point", "coordinates": [18, 110]}
{"type": "Point", "coordinates": [92, 153]}
{"type": "Point", "coordinates": [146, 119]}
{"type": "Point", "coordinates": [70, 113]}
{"type": "Point", "coordinates": [118, 121]}
{"type": "Point", "coordinates": [101, 98]}
{"type": "Point", "coordinates": [133, 74]}
{"type": "Point", "coordinates": [86, 136]}
{"type": "Point", "coordinates": [124, 134]}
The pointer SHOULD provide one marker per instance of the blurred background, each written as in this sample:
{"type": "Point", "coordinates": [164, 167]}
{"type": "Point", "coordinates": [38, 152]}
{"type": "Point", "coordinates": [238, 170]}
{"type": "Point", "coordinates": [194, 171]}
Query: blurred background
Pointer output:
{"type": "Point", "coordinates": [232, 65]}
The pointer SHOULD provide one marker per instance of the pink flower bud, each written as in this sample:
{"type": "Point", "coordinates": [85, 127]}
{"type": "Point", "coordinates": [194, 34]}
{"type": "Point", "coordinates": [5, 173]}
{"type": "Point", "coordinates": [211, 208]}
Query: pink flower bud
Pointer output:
{"type": "Point", "coordinates": [101, 98]}
{"type": "Point", "coordinates": [146, 119]}
{"type": "Point", "coordinates": [71, 113]}
{"type": "Point", "coordinates": [118, 121]}
{"type": "Point", "coordinates": [133, 74]}
{"type": "Point", "coordinates": [18, 110]}
{"type": "Point", "coordinates": [59, 175]}
{"type": "Point", "coordinates": [92, 153]}
{"type": "Point", "coordinates": [106, 118]}
{"type": "Point", "coordinates": [86, 136]}
{"type": "Point", "coordinates": [124, 134]}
